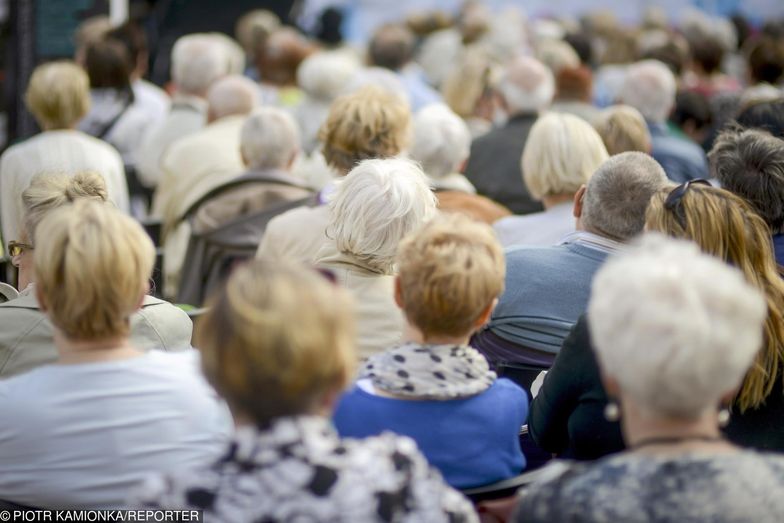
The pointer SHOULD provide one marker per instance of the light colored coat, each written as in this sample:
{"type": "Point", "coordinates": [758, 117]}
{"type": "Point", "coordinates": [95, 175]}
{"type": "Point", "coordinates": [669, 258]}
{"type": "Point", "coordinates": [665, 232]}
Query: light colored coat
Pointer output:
{"type": "Point", "coordinates": [26, 334]}
{"type": "Point", "coordinates": [298, 234]}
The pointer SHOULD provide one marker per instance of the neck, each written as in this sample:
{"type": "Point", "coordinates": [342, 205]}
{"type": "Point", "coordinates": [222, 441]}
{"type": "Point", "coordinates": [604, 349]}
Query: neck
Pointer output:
{"type": "Point", "coordinates": [89, 351]}
{"type": "Point", "coordinates": [552, 200]}
{"type": "Point", "coordinates": [415, 335]}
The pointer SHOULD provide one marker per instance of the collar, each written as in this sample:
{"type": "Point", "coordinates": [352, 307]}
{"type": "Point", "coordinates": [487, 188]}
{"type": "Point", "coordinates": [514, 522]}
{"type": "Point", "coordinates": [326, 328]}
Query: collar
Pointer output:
{"type": "Point", "coordinates": [301, 436]}
{"type": "Point", "coordinates": [591, 240]}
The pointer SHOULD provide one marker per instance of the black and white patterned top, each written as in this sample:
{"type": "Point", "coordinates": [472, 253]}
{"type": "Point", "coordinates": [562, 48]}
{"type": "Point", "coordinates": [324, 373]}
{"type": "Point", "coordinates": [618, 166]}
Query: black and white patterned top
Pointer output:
{"type": "Point", "coordinates": [299, 470]}
{"type": "Point", "coordinates": [634, 488]}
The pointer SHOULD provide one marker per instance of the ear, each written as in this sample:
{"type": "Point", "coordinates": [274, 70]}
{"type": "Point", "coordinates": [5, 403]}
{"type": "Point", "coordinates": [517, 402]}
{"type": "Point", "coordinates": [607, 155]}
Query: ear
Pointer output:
{"type": "Point", "coordinates": [487, 313]}
{"type": "Point", "coordinates": [578, 202]}
{"type": "Point", "coordinates": [611, 386]}
{"type": "Point", "coordinates": [39, 295]}
{"type": "Point", "coordinates": [398, 293]}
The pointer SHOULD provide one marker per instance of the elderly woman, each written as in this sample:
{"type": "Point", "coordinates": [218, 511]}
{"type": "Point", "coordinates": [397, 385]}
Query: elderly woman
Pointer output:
{"type": "Point", "coordinates": [83, 431]}
{"type": "Point", "coordinates": [441, 145]}
{"type": "Point", "coordinates": [281, 378]}
{"type": "Point", "coordinates": [561, 153]}
{"type": "Point", "coordinates": [376, 206]}
{"type": "Point", "coordinates": [369, 123]}
{"type": "Point", "coordinates": [26, 335]}
{"type": "Point", "coordinates": [622, 128]}
{"type": "Point", "coordinates": [58, 95]}
{"type": "Point", "coordinates": [673, 347]}
{"type": "Point", "coordinates": [451, 273]}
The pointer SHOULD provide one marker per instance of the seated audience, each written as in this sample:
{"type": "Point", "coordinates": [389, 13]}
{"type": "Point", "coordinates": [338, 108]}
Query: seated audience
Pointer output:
{"type": "Point", "coordinates": [197, 61]}
{"type": "Point", "coordinates": [650, 88]}
{"type": "Point", "coordinates": [673, 346]}
{"type": "Point", "coordinates": [526, 89]}
{"type": "Point", "coordinates": [281, 379]}
{"type": "Point", "coordinates": [58, 96]}
{"type": "Point", "coordinates": [26, 334]}
{"type": "Point", "coordinates": [436, 388]}
{"type": "Point", "coordinates": [750, 164]}
{"type": "Point", "coordinates": [560, 155]}
{"type": "Point", "coordinates": [623, 129]}
{"type": "Point", "coordinates": [367, 124]}
{"type": "Point", "coordinates": [441, 145]}
{"type": "Point", "coordinates": [106, 415]}
{"type": "Point", "coordinates": [547, 288]}
{"type": "Point", "coordinates": [374, 208]}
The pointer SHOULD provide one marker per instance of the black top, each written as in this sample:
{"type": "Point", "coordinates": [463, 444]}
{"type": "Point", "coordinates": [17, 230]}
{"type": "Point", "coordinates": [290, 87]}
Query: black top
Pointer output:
{"type": "Point", "coordinates": [567, 416]}
{"type": "Point", "coordinates": [494, 165]}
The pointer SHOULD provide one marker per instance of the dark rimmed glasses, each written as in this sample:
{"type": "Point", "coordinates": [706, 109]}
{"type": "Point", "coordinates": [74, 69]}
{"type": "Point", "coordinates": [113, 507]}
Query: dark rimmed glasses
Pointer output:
{"type": "Point", "coordinates": [673, 201]}
{"type": "Point", "coordinates": [16, 248]}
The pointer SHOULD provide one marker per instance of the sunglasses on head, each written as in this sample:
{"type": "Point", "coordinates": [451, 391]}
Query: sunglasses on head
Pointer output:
{"type": "Point", "coordinates": [16, 248]}
{"type": "Point", "coordinates": [673, 201]}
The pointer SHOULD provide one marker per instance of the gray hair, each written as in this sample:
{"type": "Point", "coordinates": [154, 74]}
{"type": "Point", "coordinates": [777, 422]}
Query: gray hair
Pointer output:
{"type": "Point", "coordinates": [673, 339]}
{"type": "Point", "coordinates": [197, 60]}
{"type": "Point", "coordinates": [526, 86]}
{"type": "Point", "coordinates": [650, 88]}
{"type": "Point", "coordinates": [376, 206]}
{"type": "Point", "coordinates": [618, 194]}
{"type": "Point", "coordinates": [231, 95]}
{"type": "Point", "coordinates": [441, 142]}
{"type": "Point", "coordinates": [324, 75]}
{"type": "Point", "coordinates": [269, 139]}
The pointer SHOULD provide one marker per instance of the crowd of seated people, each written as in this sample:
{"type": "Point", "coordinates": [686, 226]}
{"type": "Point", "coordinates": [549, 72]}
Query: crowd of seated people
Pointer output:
{"type": "Point", "coordinates": [397, 279]}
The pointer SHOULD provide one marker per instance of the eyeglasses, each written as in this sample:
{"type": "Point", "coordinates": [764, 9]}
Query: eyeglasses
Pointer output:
{"type": "Point", "coordinates": [673, 201]}
{"type": "Point", "coordinates": [16, 248]}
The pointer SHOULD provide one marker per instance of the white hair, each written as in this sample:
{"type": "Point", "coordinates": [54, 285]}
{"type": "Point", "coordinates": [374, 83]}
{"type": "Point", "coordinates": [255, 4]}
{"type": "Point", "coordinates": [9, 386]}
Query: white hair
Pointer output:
{"type": "Point", "coordinates": [323, 75]}
{"type": "Point", "coordinates": [269, 139]}
{"type": "Point", "coordinates": [379, 77]}
{"type": "Point", "coordinates": [676, 328]}
{"type": "Point", "coordinates": [197, 60]}
{"type": "Point", "coordinates": [441, 142]}
{"type": "Point", "coordinates": [231, 95]}
{"type": "Point", "coordinates": [377, 204]}
{"type": "Point", "coordinates": [650, 88]}
{"type": "Point", "coordinates": [527, 86]}
{"type": "Point", "coordinates": [561, 153]}
{"type": "Point", "coordinates": [233, 53]}
{"type": "Point", "coordinates": [557, 55]}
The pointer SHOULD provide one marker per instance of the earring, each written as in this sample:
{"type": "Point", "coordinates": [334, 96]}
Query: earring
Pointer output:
{"type": "Point", "coordinates": [724, 417]}
{"type": "Point", "coordinates": [612, 412]}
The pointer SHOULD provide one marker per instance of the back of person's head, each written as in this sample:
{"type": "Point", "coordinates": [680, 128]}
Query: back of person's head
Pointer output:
{"type": "Point", "coordinates": [324, 75]}
{"type": "Point", "coordinates": [574, 83]}
{"type": "Point", "coordinates": [692, 113]}
{"type": "Point", "coordinates": [391, 46]}
{"type": "Point", "coordinates": [233, 53]}
{"type": "Point", "coordinates": [449, 273]}
{"type": "Point", "coordinates": [726, 226]}
{"type": "Point", "coordinates": [526, 86]}
{"type": "Point", "coordinates": [58, 95]}
{"type": "Point", "coordinates": [92, 266]}
{"type": "Point", "coordinates": [557, 55]}
{"type": "Point", "coordinates": [649, 87]}
{"type": "Point", "coordinates": [768, 116]}
{"type": "Point", "coordinates": [618, 194]}
{"type": "Point", "coordinates": [379, 78]}
{"type": "Point", "coordinates": [131, 35]}
{"type": "Point", "coordinates": [197, 61]}
{"type": "Point", "coordinates": [283, 52]}
{"type": "Point", "coordinates": [766, 60]}
{"type": "Point", "coordinates": [108, 65]}
{"type": "Point", "coordinates": [707, 53]}
{"type": "Point", "coordinates": [376, 206]}
{"type": "Point", "coordinates": [623, 129]}
{"type": "Point", "coordinates": [467, 83]}
{"type": "Point", "coordinates": [674, 340]}
{"type": "Point", "coordinates": [561, 153]}
{"type": "Point", "coordinates": [369, 123]}
{"type": "Point", "coordinates": [673, 53]}
{"type": "Point", "coordinates": [253, 28]}
{"type": "Point", "coordinates": [92, 29]}
{"type": "Point", "coordinates": [50, 191]}
{"type": "Point", "coordinates": [583, 45]}
{"type": "Point", "coordinates": [231, 95]}
{"type": "Point", "coordinates": [441, 141]}
{"type": "Point", "coordinates": [269, 139]}
{"type": "Point", "coordinates": [750, 163]}
{"type": "Point", "coordinates": [277, 339]}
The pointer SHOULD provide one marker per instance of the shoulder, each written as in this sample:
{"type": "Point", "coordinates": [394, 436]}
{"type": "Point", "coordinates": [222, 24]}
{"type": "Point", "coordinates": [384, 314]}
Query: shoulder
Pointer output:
{"type": "Point", "coordinates": [159, 324]}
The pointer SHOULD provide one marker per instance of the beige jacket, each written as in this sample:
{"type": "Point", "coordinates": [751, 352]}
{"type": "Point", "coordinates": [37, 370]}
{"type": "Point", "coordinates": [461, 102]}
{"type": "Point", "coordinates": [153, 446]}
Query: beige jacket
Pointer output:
{"type": "Point", "coordinates": [298, 234]}
{"type": "Point", "coordinates": [26, 335]}
{"type": "Point", "coordinates": [380, 322]}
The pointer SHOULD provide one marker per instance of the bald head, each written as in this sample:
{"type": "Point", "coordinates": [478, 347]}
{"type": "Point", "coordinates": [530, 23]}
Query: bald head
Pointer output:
{"type": "Point", "coordinates": [231, 95]}
{"type": "Point", "coordinates": [527, 86]}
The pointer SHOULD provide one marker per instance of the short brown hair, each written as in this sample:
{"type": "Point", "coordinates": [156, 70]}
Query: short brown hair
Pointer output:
{"type": "Point", "coordinates": [449, 272]}
{"type": "Point", "coordinates": [277, 337]}
{"type": "Point", "coordinates": [370, 123]}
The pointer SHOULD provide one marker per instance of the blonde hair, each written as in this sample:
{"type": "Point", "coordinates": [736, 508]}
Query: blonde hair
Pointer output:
{"type": "Point", "coordinates": [560, 155]}
{"type": "Point", "coordinates": [369, 123]}
{"type": "Point", "coordinates": [450, 271]}
{"type": "Point", "coordinates": [58, 94]}
{"type": "Point", "coordinates": [47, 192]}
{"type": "Point", "coordinates": [622, 128]}
{"type": "Point", "coordinates": [92, 264]}
{"type": "Point", "coordinates": [725, 226]}
{"type": "Point", "coordinates": [276, 339]}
